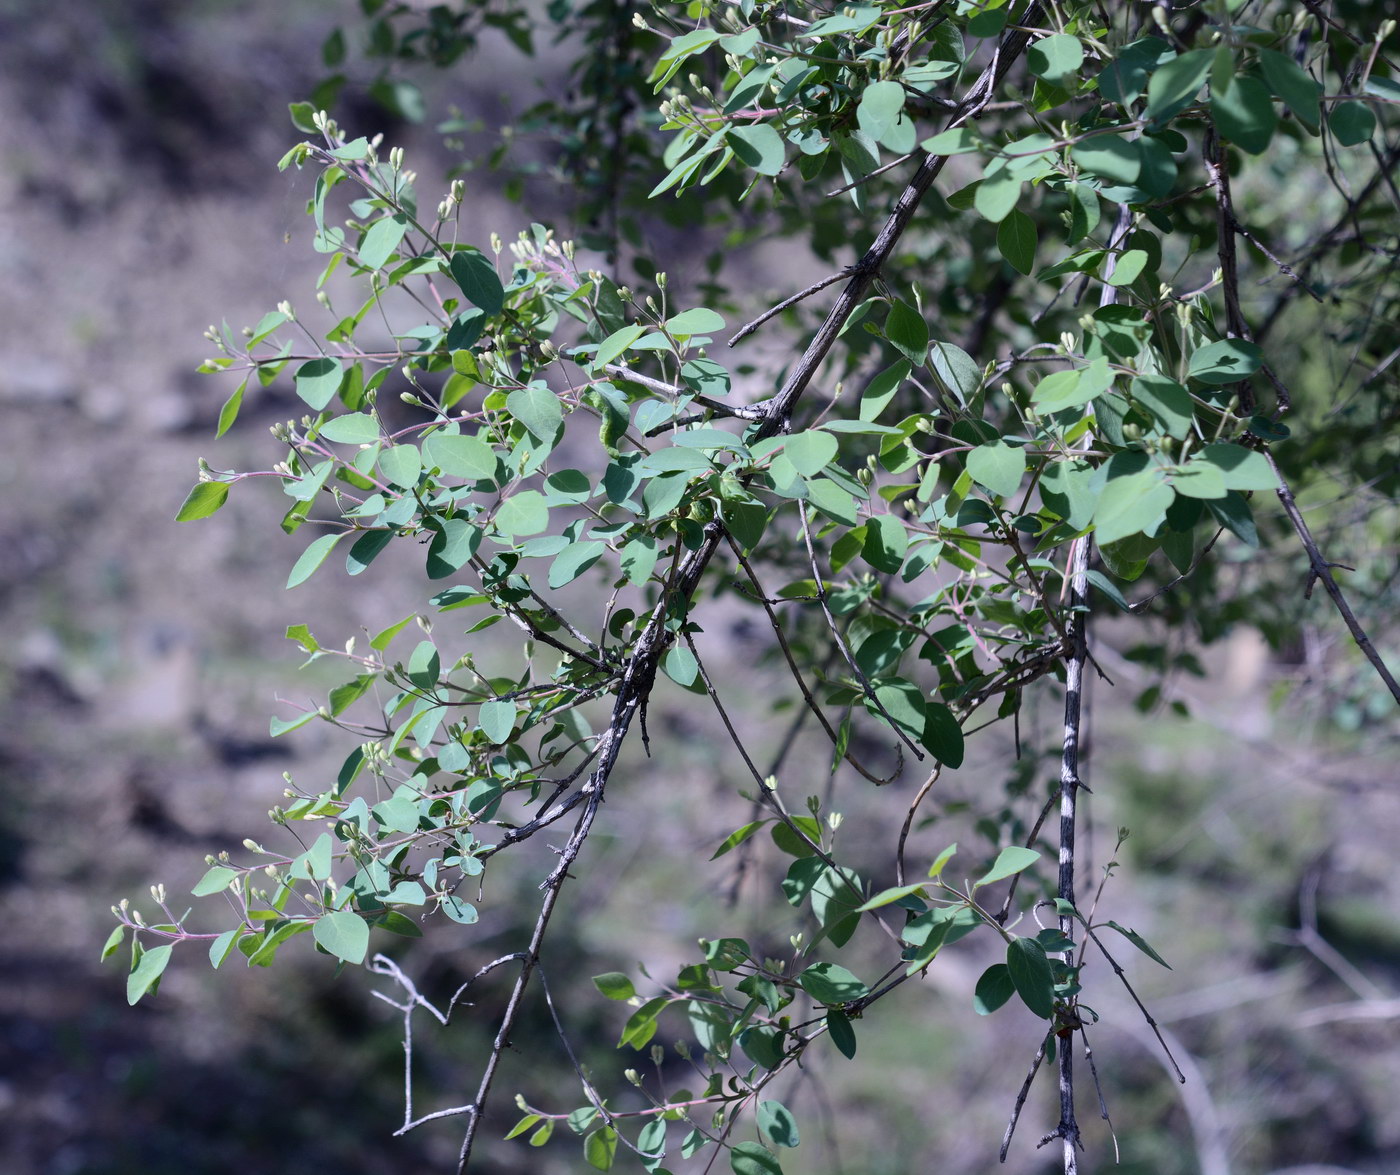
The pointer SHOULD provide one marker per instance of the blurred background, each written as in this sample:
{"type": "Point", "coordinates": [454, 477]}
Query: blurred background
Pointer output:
{"type": "Point", "coordinates": [139, 202]}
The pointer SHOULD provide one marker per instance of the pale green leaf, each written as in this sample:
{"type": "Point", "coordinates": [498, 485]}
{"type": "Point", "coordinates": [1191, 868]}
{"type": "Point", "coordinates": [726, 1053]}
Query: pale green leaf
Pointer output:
{"type": "Point", "coordinates": [147, 972]}
{"type": "Point", "coordinates": [317, 381]}
{"type": "Point", "coordinates": [216, 880]}
{"type": "Point", "coordinates": [1010, 860]}
{"type": "Point", "coordinates": [343, 934]}
{"type": "Point", "coordinates": [381, 239]}
{"type": "Point", "coordinates": [312, 558]}
{"type": "Point", "coordinates": [997, 466]}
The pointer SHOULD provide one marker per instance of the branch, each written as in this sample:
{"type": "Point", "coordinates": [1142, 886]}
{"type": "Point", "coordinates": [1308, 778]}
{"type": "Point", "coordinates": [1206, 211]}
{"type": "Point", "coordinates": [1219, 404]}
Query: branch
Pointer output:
{"type": "Point", "coordinates": [1078, 654]}
{"type": "Point", "coordinates": [1321, 569]}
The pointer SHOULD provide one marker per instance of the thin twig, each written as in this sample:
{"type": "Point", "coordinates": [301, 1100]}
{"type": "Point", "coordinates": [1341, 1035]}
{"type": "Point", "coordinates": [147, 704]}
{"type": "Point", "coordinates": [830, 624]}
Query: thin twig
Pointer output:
{"type": "Point", "coordinates": [1021, 1096]}
{"type": "Point", "coordinates": [1146, 1015]}
{"type": "Point", "coordinates": [1321, 569]}
{"type": "Point", "coordinates": [816, 287]}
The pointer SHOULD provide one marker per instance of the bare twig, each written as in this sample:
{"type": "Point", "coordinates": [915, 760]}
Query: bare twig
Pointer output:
{"type": "Point", "coordinates": [1321, 570]}
{"type": "Point", "coordinates": [773, 311]}
{"type": "Point", "coordinates": [1021, 1096]}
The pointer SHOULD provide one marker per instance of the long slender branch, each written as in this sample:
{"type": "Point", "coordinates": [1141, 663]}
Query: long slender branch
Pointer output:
{"type": "Point", "coordinates": [1068, 1129]}
{"type": "Point", "coordinates": [1321, 569]}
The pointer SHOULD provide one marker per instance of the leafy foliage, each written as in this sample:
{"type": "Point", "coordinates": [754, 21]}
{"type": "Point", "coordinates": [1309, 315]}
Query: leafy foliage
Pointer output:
{"type": "Point", "coordinates": [1053, 357]}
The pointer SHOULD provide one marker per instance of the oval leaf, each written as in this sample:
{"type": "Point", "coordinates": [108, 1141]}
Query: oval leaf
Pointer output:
{"type": "Point", "coordinates": [343, 934]}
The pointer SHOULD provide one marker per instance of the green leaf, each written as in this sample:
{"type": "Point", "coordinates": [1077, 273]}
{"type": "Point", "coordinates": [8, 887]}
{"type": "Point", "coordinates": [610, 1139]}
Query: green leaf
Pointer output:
{"type": "Point", "coordinates": [614, 985]}
{"type": "Point", "coordinates": [1141, 943]}
{"type": "Point", "coordinates": [1109, 157]}
{"type": "Point", "coordinates": [695, 322]}
{"type": "Point", "coordinates": [1232, 512]}
{"type": "Point", "coordinates": [1167, 401]}
{"type": "Point", "coordinates": [680, 665]}
{"type": "Point", "coordinates": [523, 513]}
{"type": "Point", "coordinates": [738, 837]}
{"type": "Point", "coordinates": [1011, 860]}
{"type": "Point", "coordinates": [538, 409]}
{"type": "Point", "coordinates": [1060, 390]}
{"type": "Point", "coordinates": [222, 947]}
{"type": "Point", "coordinates": [600, 1148]}
{"type": "Point", "coordinates": [402, 465]}
{"type": "Point", "coordinates": [523, 1125]}
{"type": "Point", "coordinates": [880, 391]}
{"type": "Point", "coordinates": [478, 280]}
{"type": "Point", "coordinates": [1084, 212]}
{"type": "Point", "coordinates": [651, 1141]}
{"type": "Point", "coordinates": [114, 942]}
{"type": "Point", "coordinates": [1244, 114]}
{"type": "Point", "coordinates": [957, 370]}
{"type": "Point", "coordinates": [617, 343]}
{"type": "Point", "coordinates": [1225, 362]}
{"type": "Point", "coordinates": [277, 727]}
{"type": "Point", "coordinates": [1291, 83]}
{"type": "Point", "coordinates": [455, 541]}
{"type": "Point", "coordinates": [203, 500]}
{"type": "Point", "coordinates": [1127, 268]}
{"type": "Point", "coordinates": [147, 972]}
{"type": "Point", "coordinates": [759, 147]}
{"type": "Point", "coordinates": [343, 934]}
{"type": "Point", "coordinates": [998, 467]}
{"type": "Point", "coordinates": [496, 719]}
{"type": "Point", "coordinates": [1016, 239]}
{"type": "Point", "coordinates": [942, 736]}
{"type": "Point", "coordinates": [752, 1158]}
{"type": "Point", "coordinates": [1031, 976]}
{"type": "Point", "coordinates": [993, 989]}
{"type": "Point", "coordinates": [229, 412]}
{"type": "Point", "coordinates": [356, 428]}
{"type": "Point", "coordinates": [810, 452]}
{"type": "Point", "coordinates": [317, 381]}
{"type": "Point", "coordinates": [1241, 468]}
{"type": "Point", "coordinates": [470, 458]}
{"type": "Point", "coordinates": [880, 107]}
{"type": "Point", "coordinates": [906, 329]}
{"type": "Point", "coordinates": [1175, 85]}
{"type": "Point", "coordinates": [462, 913]}
{"type": "Point", "coordinates": [641, 1025]}
{"type": "Point", "coordinates": [573, 561]}
{"type": "Point", "coordinates": [886, 543]}
{"type": "Point", "coordinates": [996, 196]}
{"type": "Point", "coordinates": [381, 239]}
{"type": "Point", "coordinates": [302, 114]}
{"type": "Point", "coordinates": [776, 1121]}
{"type": "Point", "coordinates": [829, 983]}
{"type": "Point", "coordinates": [1136, 504]}
{"type": "Point", "coordinates": [312, 558]}
{"type": "Point", "coordinates": [1055, 57]}
{"type": "Point", "coordinates": [1199, 479]}
{"type": "Point", "coordinates": [886, 896]}
{"type": "Point", "coordinates": [843, 1036]}
{"type": "Point", "coordinates": [958, 141]}
{"type": "Point", "coordinates": [216, 880]}
{"type": "Point", "coordinates": [1352, 123]}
